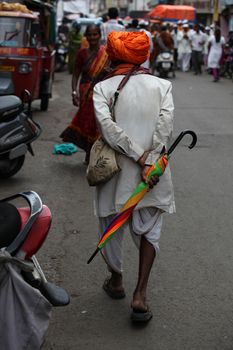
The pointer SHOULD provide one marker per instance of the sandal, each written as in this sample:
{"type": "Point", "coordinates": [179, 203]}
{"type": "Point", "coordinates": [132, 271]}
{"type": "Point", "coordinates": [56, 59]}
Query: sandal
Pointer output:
{"type": "Point", "coordinates": [112, 293]}
{"type": "Point", "coordinates": [140, 316]}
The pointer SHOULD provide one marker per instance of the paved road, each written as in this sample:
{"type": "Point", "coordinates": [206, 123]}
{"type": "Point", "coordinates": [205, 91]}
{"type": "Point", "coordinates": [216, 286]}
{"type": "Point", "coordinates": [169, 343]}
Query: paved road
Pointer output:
{"type": "Point", "coordinates": [191, 283]}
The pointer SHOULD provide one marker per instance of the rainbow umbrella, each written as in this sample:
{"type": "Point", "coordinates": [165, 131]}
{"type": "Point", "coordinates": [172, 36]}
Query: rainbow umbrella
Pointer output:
{"type": "Point", "coordinates": [157, 169]}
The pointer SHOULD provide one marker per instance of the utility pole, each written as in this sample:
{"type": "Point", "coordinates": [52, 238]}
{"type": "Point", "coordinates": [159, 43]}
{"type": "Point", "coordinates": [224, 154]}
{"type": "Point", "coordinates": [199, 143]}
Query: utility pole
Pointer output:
{"type": "Point", "coordinates": [215, 13]}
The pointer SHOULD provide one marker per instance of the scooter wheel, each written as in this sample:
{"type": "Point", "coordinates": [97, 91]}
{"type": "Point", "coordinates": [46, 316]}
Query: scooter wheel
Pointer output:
{"type": "Point", "coordinates": [44, 103]}
{"type": "Point", "coordinates": [9, 167]}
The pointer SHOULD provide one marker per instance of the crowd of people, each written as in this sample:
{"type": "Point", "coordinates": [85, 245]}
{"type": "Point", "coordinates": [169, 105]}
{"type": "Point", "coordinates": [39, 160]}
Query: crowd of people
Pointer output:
{"type": "Point", "coordinates": [193, 47]}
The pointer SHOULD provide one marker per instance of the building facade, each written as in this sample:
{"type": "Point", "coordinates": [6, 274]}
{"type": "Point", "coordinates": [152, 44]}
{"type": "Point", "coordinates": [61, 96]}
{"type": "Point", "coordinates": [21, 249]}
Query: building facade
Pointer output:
{"type": "Point", "coordinates": [226, 11]}
{"type": "Point", "coordinates": [125, 6]}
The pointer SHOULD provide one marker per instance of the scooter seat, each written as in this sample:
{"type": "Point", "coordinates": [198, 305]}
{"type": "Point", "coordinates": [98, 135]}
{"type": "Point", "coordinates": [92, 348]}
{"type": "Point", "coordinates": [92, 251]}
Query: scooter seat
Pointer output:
{"type": "Point", "coordinates": [10, 223]}
{"type": "Point", "coordinates": [9, 106]}
{"type": "Point", "coordinates": [38, 232]}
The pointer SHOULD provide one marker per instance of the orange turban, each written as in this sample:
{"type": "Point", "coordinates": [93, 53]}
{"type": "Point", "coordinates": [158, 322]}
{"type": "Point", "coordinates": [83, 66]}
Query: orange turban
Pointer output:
{"type": "Point", "coordinates": [130, 47]}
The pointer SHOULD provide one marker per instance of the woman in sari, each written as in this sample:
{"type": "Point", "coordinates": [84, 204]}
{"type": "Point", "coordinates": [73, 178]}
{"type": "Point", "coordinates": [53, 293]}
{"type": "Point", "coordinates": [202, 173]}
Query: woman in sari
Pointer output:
{"type": "Point", "coordinates": [90, 67]}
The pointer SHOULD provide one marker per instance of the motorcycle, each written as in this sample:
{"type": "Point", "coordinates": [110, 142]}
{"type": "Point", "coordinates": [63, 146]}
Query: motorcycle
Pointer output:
{"type": "Point", "coordinates": [165, 64]}
{"type": "Point", "coordinates": [17, 132]}
{"type": "Point", "coordinates": [25, 307]}
{"type": "Point", "coordinates": [226, 66]}
{"type": "Point", "coordinates": [61, 54]}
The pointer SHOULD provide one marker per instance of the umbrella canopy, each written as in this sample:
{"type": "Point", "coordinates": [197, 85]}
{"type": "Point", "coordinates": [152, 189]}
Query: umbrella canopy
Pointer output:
{"type": "Point", "coordinates": [156, 169]}
{"type": "Point", "coordinates": [173, 12]}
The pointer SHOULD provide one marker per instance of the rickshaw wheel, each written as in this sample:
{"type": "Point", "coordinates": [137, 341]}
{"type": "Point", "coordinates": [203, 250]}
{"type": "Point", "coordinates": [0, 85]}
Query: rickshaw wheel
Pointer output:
{"type": "Point", "coordinates": [44, 102]}
{"type": "Point", "coordinates": [9, 167]}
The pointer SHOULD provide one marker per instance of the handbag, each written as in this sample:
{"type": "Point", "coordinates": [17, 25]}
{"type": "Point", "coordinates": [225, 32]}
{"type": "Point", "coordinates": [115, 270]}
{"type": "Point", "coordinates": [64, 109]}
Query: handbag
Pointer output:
{"type": "Point", "coordinates": [103, 159]}
{"type": "Point", "coordinates": [102, 163]}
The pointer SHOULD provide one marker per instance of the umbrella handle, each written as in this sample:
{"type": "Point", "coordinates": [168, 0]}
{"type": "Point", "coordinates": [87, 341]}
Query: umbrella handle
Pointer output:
{"type": "Point", "coordinates": [179, 138]}
{"type": "Point", "coordinates": [93, 255]}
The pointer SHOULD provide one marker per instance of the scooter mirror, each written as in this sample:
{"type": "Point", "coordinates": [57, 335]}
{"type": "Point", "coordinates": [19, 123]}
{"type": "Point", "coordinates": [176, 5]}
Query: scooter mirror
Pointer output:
{"type": "Point", "coordinates": [26, 98]}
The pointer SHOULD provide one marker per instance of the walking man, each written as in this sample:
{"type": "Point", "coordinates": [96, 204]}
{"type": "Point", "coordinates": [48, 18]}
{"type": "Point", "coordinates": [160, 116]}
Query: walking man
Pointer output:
{"type": "Point", "coordinates": [197, 43]}
{"type": "Point", "coordinates": [111, 25]}
{"type": "Point", "coordinates": [184, 48]}
{"type": "Point", "coordinates": [144, 124]}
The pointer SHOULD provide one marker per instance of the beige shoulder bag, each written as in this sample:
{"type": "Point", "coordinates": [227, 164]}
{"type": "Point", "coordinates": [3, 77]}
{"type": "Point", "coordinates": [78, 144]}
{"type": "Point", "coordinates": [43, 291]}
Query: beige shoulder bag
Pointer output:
{"type": "Point", "coordinates": [103, 159]}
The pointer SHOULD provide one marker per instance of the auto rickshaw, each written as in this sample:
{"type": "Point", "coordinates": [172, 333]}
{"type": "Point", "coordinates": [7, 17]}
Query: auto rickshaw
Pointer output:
{"type": "Point", "coordinates": [27, 55]}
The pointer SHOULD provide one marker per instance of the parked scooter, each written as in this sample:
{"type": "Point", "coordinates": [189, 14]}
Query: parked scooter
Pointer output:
{"type": "Point", "coordinates": [26, 297]}
{"type": "Point", "coordinates": [61, 55]}
{"type": "Point", "coordinates": [165, 64]}
{"type": "Point", "coordinates": [226, 67]}
{"type": "Point", "coordinates": [17, 132]}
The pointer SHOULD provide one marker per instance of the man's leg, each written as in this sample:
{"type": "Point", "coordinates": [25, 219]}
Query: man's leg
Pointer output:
{"type": "Point", "coordinates": [186, 63]}
{"type": "Point", "coordinates": [145, 228]}
{"type": "Point", "coordinates": [146, 258]}
{"type": "Point", "coordinates": [194, 62]}
{"type": "Point", "coordinates": [113, 256]}
{"type": "Point", "coordinates": [200, 61]}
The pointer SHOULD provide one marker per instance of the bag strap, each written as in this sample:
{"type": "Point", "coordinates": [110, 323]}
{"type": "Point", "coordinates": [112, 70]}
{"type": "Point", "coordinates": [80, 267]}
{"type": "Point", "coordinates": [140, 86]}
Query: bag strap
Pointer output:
{"type": "Point", "coordinates": [120, 86]}
{"type": "Point", "coordinates": [123, 82]}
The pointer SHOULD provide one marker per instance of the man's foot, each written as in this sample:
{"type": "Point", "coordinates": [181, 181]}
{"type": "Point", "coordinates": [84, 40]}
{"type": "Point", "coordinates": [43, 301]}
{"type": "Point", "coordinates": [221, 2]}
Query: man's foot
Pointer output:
{"type": "Point", "coordinates": [140, 310]}
{"type": "Point", "coordinates": [113, 291]}
{"type": "Point", "coordinates": [141, 317]}
{"type": "Point", "coordinates": [139, 302]}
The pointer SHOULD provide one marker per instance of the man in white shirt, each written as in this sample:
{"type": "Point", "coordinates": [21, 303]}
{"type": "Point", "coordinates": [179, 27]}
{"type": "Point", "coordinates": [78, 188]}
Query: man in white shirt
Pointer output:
{"type": "Point", "coordinates": [143, 27]}
{"type": "Point", "coordinates": [111, 25]}
{"type": "Point", "coordinates": [184, 48]}
{"type": "Point", "coordinates": [197, 43]}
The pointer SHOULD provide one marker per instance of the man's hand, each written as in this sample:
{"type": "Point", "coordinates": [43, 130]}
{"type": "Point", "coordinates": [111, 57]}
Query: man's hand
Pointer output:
{"type": "Point", "coordinates": [142, 159]}
{"type": "Point", "coordinates": [153, 180]}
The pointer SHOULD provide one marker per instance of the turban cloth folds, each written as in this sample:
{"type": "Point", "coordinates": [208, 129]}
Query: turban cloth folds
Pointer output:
{"type": "Point", "coordinates": [130, 47]}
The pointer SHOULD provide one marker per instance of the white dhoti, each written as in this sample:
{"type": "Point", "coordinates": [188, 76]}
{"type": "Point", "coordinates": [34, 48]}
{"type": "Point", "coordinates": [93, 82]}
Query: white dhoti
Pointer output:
{"type": "Point", "coordinates": [185, 65]}
{"type": "Point", "coordinates": [145, 221]}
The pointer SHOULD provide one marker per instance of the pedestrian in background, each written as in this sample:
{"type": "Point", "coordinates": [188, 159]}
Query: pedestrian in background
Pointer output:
{"type": "Point", "coordinates": [111, 24]}
{"type": "Point", "coordinates": [184, 48]}
{"type": "Point", "coordinates": [216, 47]}
{"type": "Point", "coordinates": [90, 67]}
{"type": "Point", "coordinates": [155, 52]}
{"type": "Point", "coordinates": [197, 43]}
{"type": "Point", "coordinates": [179, 26]}
{"type": "Point", "coordinates": [206, 46]}
{"type": "Point", "coordinates": [74, 43]}
{"type": "Point", "coordinates": [174, 34]}
{"type": "Point", "coordinates": [143, 27]}
{"type": "Point", "coordinates": [165, 40]}
{"type": "Point", "coordinates": [133, 27]}
{"type": "Point", "coordinates": [144, 123]}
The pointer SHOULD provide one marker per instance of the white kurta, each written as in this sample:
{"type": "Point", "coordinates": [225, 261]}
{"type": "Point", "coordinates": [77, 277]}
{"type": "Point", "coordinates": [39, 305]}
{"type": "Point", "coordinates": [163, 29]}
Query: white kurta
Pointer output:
{"type": "Point", "coordinates": [184, 45]}
{"type": "Point", "coordinates": [144, 121]}
{"type": "Point", "coordinates": [215, 52]}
